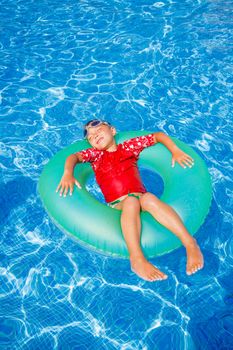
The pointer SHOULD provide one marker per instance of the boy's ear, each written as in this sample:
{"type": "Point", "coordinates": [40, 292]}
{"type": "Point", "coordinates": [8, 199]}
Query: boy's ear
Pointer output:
{"type": "Point", "coordinates": [113, 130]}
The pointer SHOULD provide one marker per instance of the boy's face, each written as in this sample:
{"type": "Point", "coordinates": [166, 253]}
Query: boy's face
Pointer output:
{"type": "Point", "coordinates": [101, 137]}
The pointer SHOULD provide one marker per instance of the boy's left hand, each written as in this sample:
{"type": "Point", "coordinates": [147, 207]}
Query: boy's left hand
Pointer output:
{"type": "Point", "coordinates": [182, 158]}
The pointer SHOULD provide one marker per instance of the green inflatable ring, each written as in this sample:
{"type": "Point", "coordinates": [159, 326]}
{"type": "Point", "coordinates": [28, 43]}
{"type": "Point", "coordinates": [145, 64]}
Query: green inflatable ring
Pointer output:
{"type": "Point", "coordinates": [97, 226]}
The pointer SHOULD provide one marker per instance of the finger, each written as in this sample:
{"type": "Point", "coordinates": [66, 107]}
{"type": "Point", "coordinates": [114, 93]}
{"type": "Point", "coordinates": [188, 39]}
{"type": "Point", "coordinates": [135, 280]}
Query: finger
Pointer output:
{"type": "Point", "coordinates": [57, 189]}
{"type": "Point", "coordinates": [77, 184]}
{"type": "Point", "coordinates": [184, 161]}
{"type": "Point", "coordinates": [61, 191]}
{"type": "Point", "coordinates": [189, 163]}
{"type": "Point", "coordinates": [189, 157]}
{"type": "Point", "coordinates": [173, 162]}
{"type": "Point", "coordinates": [66, 190]}
{"type": "Point", "coordinates": [180, 161]}
{"type": "Point", "coordinates": [71, 189]}
{"type": "Point", "coordinates": [188, 160]}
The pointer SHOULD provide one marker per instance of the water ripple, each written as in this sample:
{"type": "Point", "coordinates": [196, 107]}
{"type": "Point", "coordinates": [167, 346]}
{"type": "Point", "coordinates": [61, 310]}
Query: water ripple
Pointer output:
{"type": "Point", "coordinates": [141, 65]}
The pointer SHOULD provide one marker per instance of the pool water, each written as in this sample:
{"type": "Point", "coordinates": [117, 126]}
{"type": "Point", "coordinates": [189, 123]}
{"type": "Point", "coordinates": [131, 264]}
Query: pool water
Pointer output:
{"type": "Point", "coordinates": [141, 65]}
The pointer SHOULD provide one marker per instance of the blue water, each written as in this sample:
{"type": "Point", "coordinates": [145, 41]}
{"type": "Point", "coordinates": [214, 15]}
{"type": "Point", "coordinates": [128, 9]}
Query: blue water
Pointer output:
{"type": "Point", "coordinates": [145, 65]}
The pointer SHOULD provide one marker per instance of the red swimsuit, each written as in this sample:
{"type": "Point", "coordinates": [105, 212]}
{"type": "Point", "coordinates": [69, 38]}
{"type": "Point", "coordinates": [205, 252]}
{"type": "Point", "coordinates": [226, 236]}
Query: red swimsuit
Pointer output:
{"type": "Point", "coordinates": [116, 172]}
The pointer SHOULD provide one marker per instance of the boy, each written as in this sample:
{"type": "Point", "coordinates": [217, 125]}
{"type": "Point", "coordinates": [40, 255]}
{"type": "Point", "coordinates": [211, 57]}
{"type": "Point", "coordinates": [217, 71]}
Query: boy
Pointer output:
{"type": "Point", "coordinates": [117, 174]}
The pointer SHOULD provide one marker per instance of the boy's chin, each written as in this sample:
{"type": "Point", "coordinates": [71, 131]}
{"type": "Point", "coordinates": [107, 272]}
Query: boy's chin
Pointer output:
{"type": "Point", "coordinates": [99, 147]}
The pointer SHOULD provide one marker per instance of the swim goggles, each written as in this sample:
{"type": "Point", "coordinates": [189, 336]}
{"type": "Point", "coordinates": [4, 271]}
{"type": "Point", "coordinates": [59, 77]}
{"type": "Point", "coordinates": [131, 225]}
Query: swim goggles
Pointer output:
{"type": "Point", "coordinates": [93, 123]}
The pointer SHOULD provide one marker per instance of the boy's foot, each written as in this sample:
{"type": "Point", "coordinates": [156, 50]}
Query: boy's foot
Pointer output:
{"type": "Point", "coordinates": [195, 260]}
{"type": "Point", "coordinates": [146, 270]}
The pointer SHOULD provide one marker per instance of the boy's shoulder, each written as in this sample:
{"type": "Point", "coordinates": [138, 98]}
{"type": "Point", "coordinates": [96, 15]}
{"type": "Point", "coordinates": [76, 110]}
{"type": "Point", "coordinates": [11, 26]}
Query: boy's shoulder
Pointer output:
{"type": "Point", "coordinates": [140, 140]}
{"type": "Point", "coordinates": [138, 144]}
{"type": "Point", "coordinates": [90, 154]}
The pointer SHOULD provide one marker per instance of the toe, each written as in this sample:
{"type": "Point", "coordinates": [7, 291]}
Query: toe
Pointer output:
{"type": "Point", "coordinates": [193, 269]}
{"type": "Point", "coordinates": [155, 276]}
{"type": "Point", "coordinates": [162, 275]}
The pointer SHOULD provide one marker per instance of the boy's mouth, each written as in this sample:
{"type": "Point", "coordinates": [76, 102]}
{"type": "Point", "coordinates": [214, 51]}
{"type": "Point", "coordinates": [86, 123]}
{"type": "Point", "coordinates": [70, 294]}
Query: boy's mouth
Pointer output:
{"type": "Point", "coordinates": [99, 140]}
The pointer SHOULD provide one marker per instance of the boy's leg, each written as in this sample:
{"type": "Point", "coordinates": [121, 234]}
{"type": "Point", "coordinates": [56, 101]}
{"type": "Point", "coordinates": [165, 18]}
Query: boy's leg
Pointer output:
{"type": "Point", "coordinates": [131, 228]}
{"type": "Point", "coordinates": [167, 216]}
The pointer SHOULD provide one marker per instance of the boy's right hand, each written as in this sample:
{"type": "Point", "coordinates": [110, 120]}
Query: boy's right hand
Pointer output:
{"type": "Point", "coordinates": [67, 182]}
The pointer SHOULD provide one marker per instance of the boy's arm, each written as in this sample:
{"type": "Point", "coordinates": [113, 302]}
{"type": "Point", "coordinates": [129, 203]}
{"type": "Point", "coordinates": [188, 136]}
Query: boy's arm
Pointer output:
{"type": "Point", "coordinates": [68, 180]}
{"type": "Point", "coordinates": [177, 154]}
{"type": "Point", "coordinates": [71, 162]}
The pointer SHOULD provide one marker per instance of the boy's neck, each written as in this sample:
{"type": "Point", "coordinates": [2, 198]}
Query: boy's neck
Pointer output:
{"type": "Point", "coordinates": [112, 147]}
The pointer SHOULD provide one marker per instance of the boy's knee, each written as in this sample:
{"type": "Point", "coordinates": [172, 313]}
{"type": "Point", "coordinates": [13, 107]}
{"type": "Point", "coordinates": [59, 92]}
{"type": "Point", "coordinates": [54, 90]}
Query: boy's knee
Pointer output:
{"type": "Point", "coordinates": [131, 202]}
{"type": "Point", "coordinates": [147, 201]}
